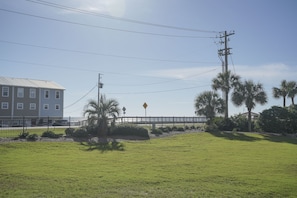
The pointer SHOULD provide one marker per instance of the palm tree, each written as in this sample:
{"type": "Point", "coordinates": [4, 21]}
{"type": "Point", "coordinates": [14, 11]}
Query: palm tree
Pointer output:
{"type": "Point", "coordinates": [292, 90]}
{"type": "Point", "coordinates": [225, 82]}
{"type": "Point", "coordinates": [249, 94]}
{"type": "Point", "coordinates": [102, 113]}
{"type": "Point", "coordinates": [208, 103]}
{"type": "Point", "coordinates": [282, 91]}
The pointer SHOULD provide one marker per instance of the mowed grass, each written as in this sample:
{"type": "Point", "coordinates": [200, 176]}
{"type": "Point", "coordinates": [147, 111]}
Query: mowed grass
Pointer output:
{"type": "Point", "coordinates": [15, 132]}
{"type": "Point", "coordinates": [187, 165]}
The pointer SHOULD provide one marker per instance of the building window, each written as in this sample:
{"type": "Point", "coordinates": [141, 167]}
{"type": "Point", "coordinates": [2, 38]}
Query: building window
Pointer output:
{"type": "Point", "coordinates": [5, 91]}
{"type": "Point", "coordinates": [20, 93]}
{"type": "Point", "coordinates": [32, 106]}
{"type": "Point", "coordinates": [20, 106]}
{"type": "Point", "coordinates": [32, 93]}
{"type": "Point", "coordinates": [57, 94]}
{"type": "Point", "coordinates": [57, 107]}
{"type": "Point", "coordinates": [46, 106]}
{"type": "Point", "coordinates": [46, 94]}
{"type": "Point", "coordinates": [4, 105]}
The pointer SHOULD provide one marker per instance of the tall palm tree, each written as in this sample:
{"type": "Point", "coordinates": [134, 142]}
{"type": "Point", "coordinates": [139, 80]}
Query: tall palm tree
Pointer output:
{"type": "Point", "coordinates": [102, 113]}
{"type": "Point", "coordinates": [208, 103]}
{"type": "Point", "coordinates": [249, 94]}
{"type": "Point", "coordinates": [292, 90]}
{"type": "Point", "coordinates": [282, 91]}
{"type": "Point", "coordinates": [225, 82]}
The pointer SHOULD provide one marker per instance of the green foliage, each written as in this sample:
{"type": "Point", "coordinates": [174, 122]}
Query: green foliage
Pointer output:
{"type": "Point", "coordinates": [50, 134]}
{"type": "Point", "coordinates": [209, 103]}
{"type": "Point", "coordinates": [166, 129]}
{"type": "Point", "coordinates": [223, 124]}
{"type": "Point", "coordinates": [157, 131]}
{"type": "Point", "coordinates": [211, 128]}
{"type": "Point", "coordinates": [81, 133]}
{"type": "Point", "coordinates": [32, 137]}
{"type": "Point", "coordinates": [129, 130]}
{"type": "Point", "coordinates": [180, 129]}
{"type": "Point", "coordinates": [69, 131]}
{"type": "Point", "coordinates": [23, 134]}
{"type": "Point", "coordinates": [241, 123]}
{"type": "Point", "coordinates": [279, 120]}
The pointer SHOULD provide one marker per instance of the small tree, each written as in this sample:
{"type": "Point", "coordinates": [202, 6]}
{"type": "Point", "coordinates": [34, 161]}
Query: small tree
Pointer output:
{"type": "Point", "coordinates": [108, 109]}
{"type": "Point", "coordinates": [208, 104]}
{"type": "Point", "coordinates": [249, 94]}
{"type": "Point", "coordinates": [282, 91]}
{"type": "Point", "coordinates": [225, 82]}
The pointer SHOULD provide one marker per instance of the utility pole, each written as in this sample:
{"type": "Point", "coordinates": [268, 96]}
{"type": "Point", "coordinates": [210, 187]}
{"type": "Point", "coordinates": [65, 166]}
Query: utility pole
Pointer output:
{"type": "Point", "coordinates": [226, 51]}
{"type": "Point", "coordinates": [100, 85]}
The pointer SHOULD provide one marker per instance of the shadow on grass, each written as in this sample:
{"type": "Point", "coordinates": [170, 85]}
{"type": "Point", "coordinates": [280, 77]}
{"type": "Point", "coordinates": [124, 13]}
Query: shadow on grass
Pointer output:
{"type": "Point", "coordinates": [234, 136]}
{"type": "Point", "coordinates": [103, 146]}
{"type": "Point", "coordinates": [280, 138]}
{"type": "Point", "coordinates": [241, 136]}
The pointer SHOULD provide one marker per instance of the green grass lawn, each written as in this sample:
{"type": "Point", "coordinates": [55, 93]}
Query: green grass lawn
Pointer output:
{"type": "Point", "coordinates": [15, 132]}
{"type": "Point", "coordinates": [187, 165]}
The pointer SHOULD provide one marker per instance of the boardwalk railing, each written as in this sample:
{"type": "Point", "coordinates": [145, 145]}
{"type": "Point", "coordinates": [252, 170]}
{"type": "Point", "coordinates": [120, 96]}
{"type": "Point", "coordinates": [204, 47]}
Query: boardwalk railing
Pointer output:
{"type": "Point", "coordinates": [160, 120]}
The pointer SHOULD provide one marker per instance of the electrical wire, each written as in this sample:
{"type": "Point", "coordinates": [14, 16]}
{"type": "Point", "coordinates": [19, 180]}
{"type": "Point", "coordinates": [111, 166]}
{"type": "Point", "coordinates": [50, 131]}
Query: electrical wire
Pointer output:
{"type": "Point", "coordinates": [55, 5]}
{"type": "Point", "coordinates": [81, 97]}
{"type": "Point", "coordinates": [100, 27]}
{"type": "Point", "coordinates": [105, 72]}
{"type": "Point", "coordinates": [160, 91]}
{"type": "Point", "coordinates": [102, 54]}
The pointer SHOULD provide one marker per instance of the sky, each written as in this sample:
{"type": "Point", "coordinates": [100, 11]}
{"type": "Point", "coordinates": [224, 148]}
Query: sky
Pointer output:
{"type": "Point", "coordinates": [163, 53]}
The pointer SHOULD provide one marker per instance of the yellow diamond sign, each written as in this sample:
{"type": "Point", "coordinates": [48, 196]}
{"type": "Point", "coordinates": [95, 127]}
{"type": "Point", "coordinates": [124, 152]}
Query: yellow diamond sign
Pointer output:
{"type": "Point", "coordinates": [144, 105]}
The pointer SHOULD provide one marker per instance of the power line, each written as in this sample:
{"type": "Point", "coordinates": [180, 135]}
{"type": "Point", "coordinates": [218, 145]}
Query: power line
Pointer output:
{"type": "Point", "coordinates": [102, 54]}
{"type": "Point", "coordinates": [81, 97]}
{"type": "Point", "coordinates": [100, 27]}
{"type": "Point", "coordinates": [55, 5]}
{"type": "Point", "coordinates": [160, 91]}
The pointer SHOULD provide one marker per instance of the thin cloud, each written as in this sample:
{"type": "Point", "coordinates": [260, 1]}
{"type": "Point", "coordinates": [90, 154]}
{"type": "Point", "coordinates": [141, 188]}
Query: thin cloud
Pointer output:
{"type": "Point", "coordinates": [270, 74]}
{"type": "Point", "coordinates": [186, 73]}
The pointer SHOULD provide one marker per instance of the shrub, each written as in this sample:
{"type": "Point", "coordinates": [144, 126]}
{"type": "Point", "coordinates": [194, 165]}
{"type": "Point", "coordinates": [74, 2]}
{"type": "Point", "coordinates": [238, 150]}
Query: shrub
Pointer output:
{"type": "Point", "coordinates": [163, 129]}
{"type": "Point", "coordinates": [69, 131]}
{"type": "Point", "coordinates": [23, 134]}
{"type": "Point", "coordinates": [157, 131]}
{"type": "Point", "coordinates": [241, 123]}
{"type": "Point", "coordinates": [81, 133]}
{"type": "Point", "coordinates": [279, 120]}
{"type": "Point", "coordinates": [126, 129]}
{"type": "Point", "coordinates": [32, 137]}
{"type": "Point", "coordinates": [180, 129]}
{"type": "Point", "coordinates": [223, 124]}
{"type": "Point", "coordinates": [50, 134]}
{"type": "Point", "coordinates": [211, 128]}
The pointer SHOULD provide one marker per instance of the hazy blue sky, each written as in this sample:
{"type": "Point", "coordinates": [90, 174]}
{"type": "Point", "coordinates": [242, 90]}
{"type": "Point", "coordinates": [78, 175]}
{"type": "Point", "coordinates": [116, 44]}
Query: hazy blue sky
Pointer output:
{"type": "Point", "coordinates": [162, 52]}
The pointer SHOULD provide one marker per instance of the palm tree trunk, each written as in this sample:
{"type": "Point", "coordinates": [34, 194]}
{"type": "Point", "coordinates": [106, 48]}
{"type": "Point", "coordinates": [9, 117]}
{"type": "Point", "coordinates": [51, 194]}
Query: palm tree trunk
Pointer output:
{"type": "Point", "coordinates": [293, 101]}
{"type": "Point", "coordinates": [284, 103]}
{"type": "Point", "coordinates": [249, 120]}
{"type": "Point", "coordinates": [226, 105]}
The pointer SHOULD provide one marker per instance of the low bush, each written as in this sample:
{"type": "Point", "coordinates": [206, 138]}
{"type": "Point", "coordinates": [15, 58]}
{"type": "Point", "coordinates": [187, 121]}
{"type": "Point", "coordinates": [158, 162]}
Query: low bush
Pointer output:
{"type": "Point", "coordinates": [211, 128]}
{"type": "Point", "coordinates": [157, 131]}
{"type": "Point", "coordinates": [165, 129]}
{"type": "Point", "coordinates": [127, 130]}
{"type": "Point", "coordinates": [180, 129]}
{"type": "Point", "coordinates": [69, 131]}
{"type": "Point", "coordinates": [81, 133]}
{"type": "Point", "coordinates": [223, 124]}
{"type": "Point", "coordinates": [279, 119]}
{"type": "Point", "coordinates": [50, 134]}
{"type": "Point", "coordinates": [32, 137]}
{"type": "Point", "coordinates": [23, 134]}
